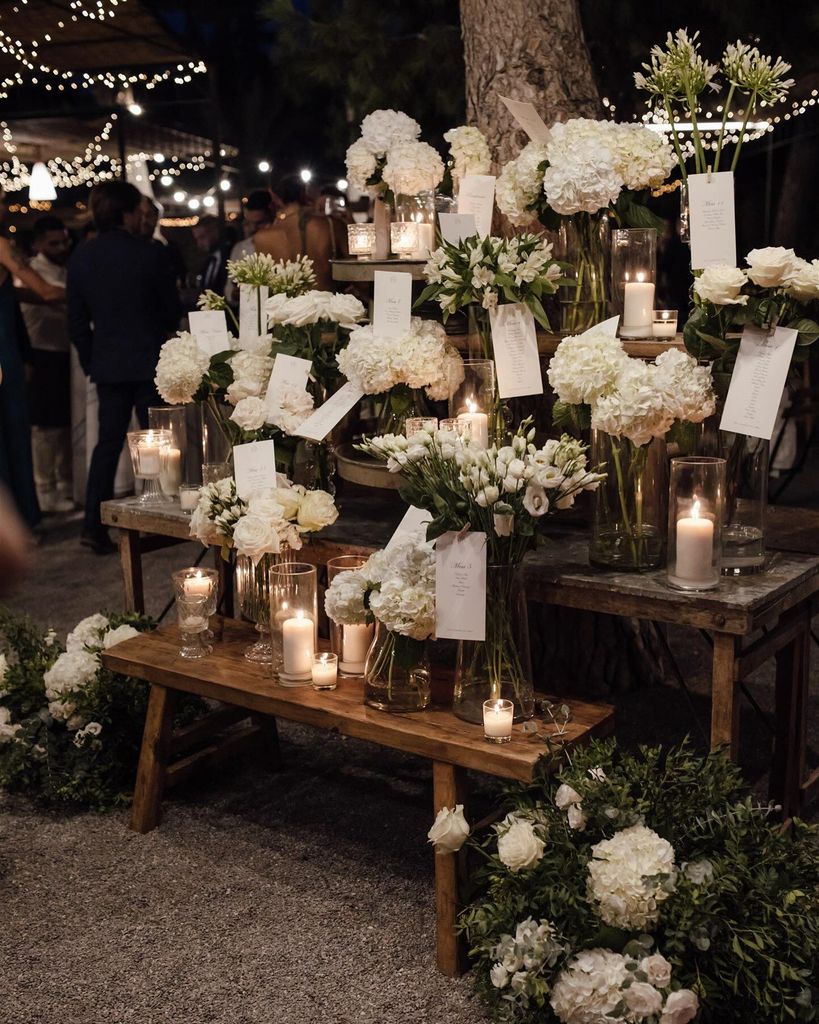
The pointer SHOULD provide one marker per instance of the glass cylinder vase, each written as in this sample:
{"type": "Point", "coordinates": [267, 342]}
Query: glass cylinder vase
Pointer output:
{"type": "Point", "coordinates": [174, 419]}
{"type": "Point", "coordinates": [696, 497]}
{"type": "Point", "coordinates": [396, 672]}
{"type": "Point", "coordinates": [499, 667]}
{"type": "Point", "coordinates": [314, 465]}
{"type": "Point", "coordinates": [293, 589]}
{"type": "Point", "coordinates": [254, 603]}
{"type": "Point", "coordinates": [400, 404]}
{"type": "Point", "coordinates": [352, 641]}
{"type": "Point", "coordinates": [630, 504]}
{"type": "Point", "coordinates": [633, 277]}
{"type": "Point", "coordinates": [413, 227]}
{"type": "Point", "coordinates": [474, 403]}
{"type": "Point", "coordinates": [584, 243]}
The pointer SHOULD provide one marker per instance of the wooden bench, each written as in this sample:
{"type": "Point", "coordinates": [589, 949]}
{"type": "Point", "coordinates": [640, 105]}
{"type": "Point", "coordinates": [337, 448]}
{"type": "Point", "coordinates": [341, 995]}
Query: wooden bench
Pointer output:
{"type": "Point", "coordinates": [451, 745]}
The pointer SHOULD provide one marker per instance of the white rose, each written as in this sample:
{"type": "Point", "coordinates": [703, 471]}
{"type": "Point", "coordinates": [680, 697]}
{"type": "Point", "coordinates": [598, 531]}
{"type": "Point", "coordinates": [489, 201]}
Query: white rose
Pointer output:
{"type": "Point", "coordinates": [577, 817]}
{"type": "Point", "coordinates": [288, 498]}
{"type": "Point", "coordinates": [566, 796]}
{"type": "Point", "coordinates": [772, 266]}
{"type": "Point", "coordinates": [250, 413]}
{"type": "Point", "coordinates": [317, 510]}
{"type": "Point", "coordinates": [657, 969]}
{"type": "Point", "coordinates": [449, 830]}
{"type": "Point", "coordinates": [254, 536]}
{"type": "Point", "coordinates": [643, 999]}
{"type": "Point", "coordinates": [680, 1007]}
{"type": "Point", "coordinates": [86, 633]}
{"type": "Point", "coordinates": [699, 871]}
{"type": "Point", "coordinates": [721, 285]}
{"type": "Point", "coordinates": [345, 310]}
{"type": "Point", "coordinates": [519, 846]}
{"type": "Point", "coordinates": [116, 636]}
{"type": "Point", "coordinates": [804, 281]}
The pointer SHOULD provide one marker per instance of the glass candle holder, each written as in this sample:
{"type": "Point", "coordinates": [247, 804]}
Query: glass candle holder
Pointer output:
{"type": "Point", "coordinates": [188, 497]}
{"type": "Point", "coordinates": [472, 400]}
{"type": "Point", "coordinates": [404, 239]}
{"type": "Point", "coordinates": [325, 671]}
{"type": "Point", "coordinates": [174, 419]}
{"type": "Point", "coordinates": [147, 448]}
{"type": "Point", "coordinates": [633, 276]}
{"type": "Point", "coordinates": [665, 323]}
{"type": "Point", "coordinates": [293, 621]}
{"type": "Point", "coordinates": [498, 716]}
{"type": "Point", "coordinates": [448, 424]}
{"type": "Point", "coordinates": [192, 617]}
{"type": "Point", "coordinates": [415, 424]}
{"type": "Point", "coordinates": [361, 239]}
{"type": "Point", "coordinates": [695, 516]}
{"type": "Point", "coordinates": [418, 210]}
{"type": "Point", "coordinates": [350, 642]}
{"type": "Point", "coordinates": [213, 472]}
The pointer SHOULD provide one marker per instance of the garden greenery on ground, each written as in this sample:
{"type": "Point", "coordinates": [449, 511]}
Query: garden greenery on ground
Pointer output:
{"type": "Point", "coordinates": [70, 730]}
{"type": "Point", "coordinates": [643, 888]}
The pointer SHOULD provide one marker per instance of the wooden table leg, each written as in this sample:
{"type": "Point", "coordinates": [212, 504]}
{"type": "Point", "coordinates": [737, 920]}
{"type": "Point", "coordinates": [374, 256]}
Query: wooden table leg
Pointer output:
{"type": "Point", "coordinates": [224, 593]}
{"type": "Point", "coordinates": [449, 786]}
{"type": "Point", "coordinates": [724, 695]}
{"type": "Point", "coordinates": [146, 812]}
{"type": "Point", "coordinates": [269, 732]}
{"type": "Point", "coordinates": [130, 558]}
{"type": "Point", "coordinates": [792, 682]}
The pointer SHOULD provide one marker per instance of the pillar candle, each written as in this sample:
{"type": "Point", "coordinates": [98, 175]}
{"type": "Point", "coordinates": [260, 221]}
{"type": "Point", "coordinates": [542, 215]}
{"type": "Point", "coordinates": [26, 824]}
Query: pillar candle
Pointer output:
{"type": "Point", "coordinates": [695, 547]}
{"type": "Point", "coordinates": [297, 646]}
{"type": "Point", "coordinates": [355, 642]}
{"type": "Point", "coordinates": [170, 476]}
{"type": "Point", "coordinates": [477, 423]}
{"type": "Point", "coordinates": [426, 240]}
{"type": "Point", "coordinates": [638, 309]}
{"type": "Point", "coordinates": [149, 460]}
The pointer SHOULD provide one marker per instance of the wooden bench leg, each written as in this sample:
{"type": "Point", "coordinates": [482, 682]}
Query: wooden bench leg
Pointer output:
{"type": "Point", "coordinates": [724, 695]}
{"type": "Point", "coordinates": [269, 732]}
{"type": "Point", "coordinates": [146, 812]}
{"type": "Point", "coordinates": [792, 680]}
{"type": "Point", "coordinates": [449, 787]}
{"type": "Point", "coordinates": [130, 558]}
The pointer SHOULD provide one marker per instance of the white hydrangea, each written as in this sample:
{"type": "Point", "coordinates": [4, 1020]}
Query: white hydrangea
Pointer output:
{"type": "Point", "coordinates": [519, 184]}
{"type": "Point", "coordinates": [116, 636]}
{"type": "Point", "coordinates": [587, 990]}
{"type": "Point", "coordinates": [582, 175]}
{"type": "Point", "coordinates": [643, 158]}
{"type": "Point", "coordinates": [803, 283]}
{"type": "Point", "coordinates": [621, 877]}
{"type": "Point", "coordinates": [361, 163]}
{"type": "Point", "coordinates": [71, 671]}
{"type": "Point", "coordinates": [413, 167]}
{"type": "Point", "coordinates": [383, 129]}
{"type": "Point", "coordinates": [344, 598]}
{"type": "Point", "coordinates": [586, 366]}
{"type": "Point", "coordinates": [7, 730]}
{"type": "Point", "coordinates": [87, 633]}
{"type": "Point", "coordinates": [290, 409]}
{"type": "Point", "coordinates": [635, 409]}
{"type": "Point", "coordinates": [469, 151]}
{"type": "Point", "coordinates": [687, 389]}
{"type": "Point", "coordinates": [180, 369]}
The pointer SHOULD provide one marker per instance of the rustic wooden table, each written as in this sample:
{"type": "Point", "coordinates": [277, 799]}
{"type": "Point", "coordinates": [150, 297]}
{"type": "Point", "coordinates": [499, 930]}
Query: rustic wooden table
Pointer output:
{"type": "Point", "coordinates": [436, 734]}
{"type": "Point", "coordinates": [750, 620]}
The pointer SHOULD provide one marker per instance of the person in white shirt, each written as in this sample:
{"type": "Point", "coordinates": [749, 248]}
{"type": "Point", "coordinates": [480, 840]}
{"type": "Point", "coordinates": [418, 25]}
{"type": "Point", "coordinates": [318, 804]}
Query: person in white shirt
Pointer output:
{"type": "Point", "coordinates": [257, 212]}
{"type": "Point", "coordinates": [50, 387]}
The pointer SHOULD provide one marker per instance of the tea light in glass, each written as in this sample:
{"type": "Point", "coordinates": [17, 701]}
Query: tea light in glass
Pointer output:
{"type": "Point", "coordinates": [415, 424]}
{"type": "Point", "coordinates": [361, 239]}
{"type": "Point", "coordinates": [325, 671]}
{"type": "Point", "coordinates": [188, 496]}
{"type": "Point", "coordinates": [665, 323]}
{"type": "Point", "coordinates": [147, 448]}
{"type": "Point", "coordinates": [498, 716]}
{"type": "Point", "coordinates": [449, 425]}
{"type": "Point", "coordinates": [404, 239]}
{"type": "Point", "coordinates": [695, 510]}
{"type": "Point", "coordinates": [192, 618]}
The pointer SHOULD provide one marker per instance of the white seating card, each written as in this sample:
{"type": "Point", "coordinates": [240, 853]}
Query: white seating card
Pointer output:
{"type": "Point", "coordinates": [514, 340]}
{"type": "Point", "coordinates": [209, 330]}
{"type": "Point", "coordinates": [528, 118]}
{"type": "Point", "coordinates": [457, 226]}
{"type": "Point", "coordinates": [288, 372]}
{"type": "Point", "coordinates": [414, 519]}
{"type": "Point", "coordinates": [392, 303]}
{"type": "Point", "coordinates": [254, 467]}
{"type": "Point", "coordinates": [319, 425]}
{"type": "Point", "coordinates": [711, 220]}
{"type": "Point", "coordinates": [460, 586]}
{"type": "Point", "coordinates": [758, 380]}
{"type": "Point", "coordinates": [476, 195]}
{"type": "Point", "coordinates": [607, 326]}
{"type": "Point", "coordinates": [252, 321]}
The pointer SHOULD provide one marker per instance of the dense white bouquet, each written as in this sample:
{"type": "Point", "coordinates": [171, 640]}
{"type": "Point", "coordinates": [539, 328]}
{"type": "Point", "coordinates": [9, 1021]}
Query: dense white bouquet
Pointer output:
{"type": "Point", "coordinates": [181, 369]}
{"type": "Point", "coordinates": [468, 152]}
{"type": "Point", "coordinates": [381, 132]}
{"type": "Point", "coordinates": [314, 307]}
{"type": "Point", "coordinates": [412, 167]}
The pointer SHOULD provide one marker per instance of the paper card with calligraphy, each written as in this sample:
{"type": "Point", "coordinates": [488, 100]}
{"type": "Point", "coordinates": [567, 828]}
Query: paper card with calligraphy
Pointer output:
{"type": "Point", "coordinates": [392, 303]}
{"type": "Point", "coordinates": [711, 220]}
{"type": "Point", "coordinates": [254, 467]}
{"type": "Point", "coordinates": [514, 340]}
{"type": "Point", "coordinates": [757, 381]}
{"type": "Point", "coordinates": [460, 586]}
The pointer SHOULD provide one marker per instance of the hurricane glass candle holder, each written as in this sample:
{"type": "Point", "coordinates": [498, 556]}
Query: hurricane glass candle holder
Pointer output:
{"type": "Point", "coordinates": [352, 641]}
{"type": "Point", "coordinates": [361, 240]}
{"type": "Point", "coordinates": [665, 323]}
{"type": "Point", "coordinates": [633, 277]}
{"type": "Point", "coordinates": [293, 621]}
{"type": "Point", "coordinates": [147, 448]}
{"type": "Point", "coordinates": [192, 617]}
{"type": "Point", "coordinates": [174, 468]}
{"type": "Point", "coordinates": [695, 517]}
{"type": "Point", "coordinates": [419, 212]}
{"type": "Point", "coordinates": [498, 716]}
{"type": "Point", "coordinates": [196, 582]}
{"type": "Point", "coordinates": [404, 239]}
{"type": "Point", "coordinates": [472, 400]}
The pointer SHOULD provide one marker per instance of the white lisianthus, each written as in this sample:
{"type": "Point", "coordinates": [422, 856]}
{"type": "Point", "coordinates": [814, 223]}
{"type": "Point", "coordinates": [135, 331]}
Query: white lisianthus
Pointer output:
{"type": "Point", "coordinates": [361, 163]}
{"type": "Point", "coordinates": [680, 1007]}
{"type": "Point", "coordinates": [180, 369]}
{"type": "Point", "coordinates": [469, 151]}
{"type": "Point", "coordinates": [536, 501]}
{"type": "Point", "coordinates": [449, 830]}
{"type": "Point", "coordinates": [316, 510]}
{"type": "Point", "coordinates": [803, 283]}
{"type": "Point", "coordinates": [86, 633]}
{"type": "Point", "coordinates": [383, 129]}
{"type": "Point", "coordinates": [256, 535]}
{"type": "Point", "coordinates": [721, 285]}
{"type": "Point", "coordinates": [250, 413]}
{"type": "Point", "coordinates": [623, 878]}
{"type": "Point", "coordinates": [7, 731]}
{"type": "Point", "coordinates": [519, 845]}
{"type": "Point", "coordinates": [116, 636]}
{"type": "Point", "coordinates": [771, 267]}
{"type": "Point", "coordinates": [413, 167]}
{"type": "Point", "coordinates": [588, 989]}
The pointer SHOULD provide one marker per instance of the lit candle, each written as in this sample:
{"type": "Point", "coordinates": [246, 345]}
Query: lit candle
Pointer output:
{"type": "Point", "coordinates": [477, 423]}
{"type": "Point", "coordinates": [197, 585]}
{"type": "Point", "coordinates": [325, 671]}
{"type": "Point", "coordinates": [360, 239]}
{"type": "Point", "coordinates": [665, 323]}
{"type": "Point", "coordinates": [149, 459]}
{"type": "Point", "coordinates": [355, 642]}
{"type": "Point", "coordinates": [497, 720]}
{"type": "Point", "coordinates": [638, 308]}
{"type": "Point", "coordinates": [404, 238]}
{"type": "Point", "coordinates": [170, 476]}
{"type": "Point", "coordinates": [297, 646]}
{"type": "Point", "coordinates": [695, 548]}
{"type": "Point", "coordinates": [426, 240]}
{"type": "Point", "coordinates": [188, 497]}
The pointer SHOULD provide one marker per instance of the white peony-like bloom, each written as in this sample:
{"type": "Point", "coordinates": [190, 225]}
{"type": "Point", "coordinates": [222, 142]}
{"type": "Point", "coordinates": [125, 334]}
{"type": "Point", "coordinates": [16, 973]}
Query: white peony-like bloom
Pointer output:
{"type": "Point", "coordinates": [722, 285]}
{"type": "Point", "coordinates": [7, 730]}
{"type": "Point", "coordinates": [316, 510]}
{"type": "Point", "coordinates": [519, 846]}
{"type": "Point", "coordinates": [314, 307]}
{"type": "Point", "coordinates": [253, 369]}
{"type": "Point", "coordinates": [413, 167]}
{"type": "Point", "coordinates": [250, 413]}
{"type": "Point", "coordinates": [469, 151]}
{"type": "Point", "coordinates": [243, 387]}
{"type": "Point", "coordinates": [345, 310]}
{"type": "Point", "coordinates": [621, 878]}
{"type": "Point", "coordinates": [71, 671]}
{"type": "Point", "coordinates": [657, 969]}
{"type": "Point", "coordinates": [519, 184]}
{"type": "Point", "coordinates": [383, 129]}
{"type": "Point", "coordinates": [449, 830]}
{"type": "Point", "coordinates": [587, 990]}
{"type": "Point", "coordinates": [586, 366]}
{"type": "Point", "coordinates": [180, 369]}
{"type": "Point", "coordinates": [256, 535]}
{"type": "Point", "coordinates": [771, 267]}
{"type": "Point", "coordinates": [680, 1007]}
{"type": "Point", "coordinates": [86, 633]}
{"type": "Point", "coordinates": [361, 164]}
{"type": "Point", "coordinates": [291, 408]}
{"type": "Point", "coordinates": [803, 283]}
{"type": "Point", "coordinates": [643, 999]}
{"type": "Point", "coordinates": [116, 636]}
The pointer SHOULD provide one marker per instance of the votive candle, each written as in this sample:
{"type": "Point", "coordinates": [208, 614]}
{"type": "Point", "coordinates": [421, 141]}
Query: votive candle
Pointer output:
{"type": "Point", "coordinates": [498, 716]}
{"type": "Point", "coordinates": [188, 497]}
{"type": "Point", "coordinates": [325, 671]}
{"type": "Point", "coordinates": [355, 642]}
{"type": "Point", "coordinates": [665, 323]}
{"type": "Point", "coordinates": [361, 239]}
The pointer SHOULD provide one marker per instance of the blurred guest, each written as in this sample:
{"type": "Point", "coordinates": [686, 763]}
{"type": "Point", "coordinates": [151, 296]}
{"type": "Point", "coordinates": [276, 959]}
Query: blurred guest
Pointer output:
{"type": "Point", "coordinates": [49, 388]}
{"type": "Point", "coordinates": [150, 215]}
{"type": "Point", "coordinates": [122, 305]}
{"type": "Point", "coordinates": [14, 545]}
{"type": "Point", "coordinates": [16, 468]}
{"type": "Point", "coordinates": [257, 213]}
{"type": "Point", "coordinates": [208, 237]}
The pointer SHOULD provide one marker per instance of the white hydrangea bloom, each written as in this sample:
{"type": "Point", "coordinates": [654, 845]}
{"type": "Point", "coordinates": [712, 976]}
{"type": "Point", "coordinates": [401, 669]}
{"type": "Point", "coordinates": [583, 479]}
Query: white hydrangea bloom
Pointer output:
{"type": "Point", "coordinates": [180, 369]}
{"type": "Point", "coordinates": [636, 409]}
{"type": "Point", "coordinates": [361, 163]}
{"type": "Point", "coordinates": [469, 151]}
{"type": "Point", "coordinates": [687, 389]}
{"type": "Point", "coordinates": [413, 167]}
{"type": "Point", "coordinates": [71, 671]}
{"type": "Point", "coordinates": [586, 366]}
{"type": "Point", "coordinates": [382, 129]}
{"type": "Point", "coordinates": [519, 184]}
{"type": "Point", "coordinates": [587, 990]}
{"type": "Point", "coordinates": [87, 633]}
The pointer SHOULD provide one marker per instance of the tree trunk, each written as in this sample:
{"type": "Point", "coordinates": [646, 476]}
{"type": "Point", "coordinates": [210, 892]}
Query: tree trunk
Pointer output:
{"type": "Point", "coordinates": [527, 51]}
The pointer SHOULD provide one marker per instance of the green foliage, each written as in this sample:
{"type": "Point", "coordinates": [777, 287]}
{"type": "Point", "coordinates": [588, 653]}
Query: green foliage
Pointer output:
{"type": "Point", "coordinates": [743, 935]}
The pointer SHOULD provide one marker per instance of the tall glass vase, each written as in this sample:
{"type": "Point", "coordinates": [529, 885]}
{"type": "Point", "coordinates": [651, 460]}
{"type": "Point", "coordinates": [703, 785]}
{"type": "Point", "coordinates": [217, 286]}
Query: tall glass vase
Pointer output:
{"type": "Point", "coordinates": [499, 666]}
{"type": "Point", "coordinates": [314, 465]}
{"type": "Point", "coordinates": [584, 243]}
{"type": "Point", "coordinates": [630, 504]}
{"type": "Point", "coordinates": [253, 588]}
{"type": "Point", "coordinates": [400, 404]}
{"type": "Point", "coordinates": [396, 672]}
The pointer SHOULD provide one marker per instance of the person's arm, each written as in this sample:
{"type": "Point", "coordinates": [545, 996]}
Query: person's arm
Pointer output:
{"type": "Point", "coordinates": [30, 278]}
{"type": "Point", "coordinates": [79, 320]}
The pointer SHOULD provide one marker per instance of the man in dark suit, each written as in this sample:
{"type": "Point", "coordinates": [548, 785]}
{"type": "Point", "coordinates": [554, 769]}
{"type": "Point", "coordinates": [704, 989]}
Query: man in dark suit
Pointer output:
{"type": "Point", "coordinates": [208, 237]}
{"type": "Point", "coordinates": [122, 305]}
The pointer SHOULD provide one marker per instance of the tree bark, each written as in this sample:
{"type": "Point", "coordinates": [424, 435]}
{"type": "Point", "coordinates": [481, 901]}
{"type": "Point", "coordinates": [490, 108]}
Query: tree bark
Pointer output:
{"type": "Point", "coordinates": [527, 51]}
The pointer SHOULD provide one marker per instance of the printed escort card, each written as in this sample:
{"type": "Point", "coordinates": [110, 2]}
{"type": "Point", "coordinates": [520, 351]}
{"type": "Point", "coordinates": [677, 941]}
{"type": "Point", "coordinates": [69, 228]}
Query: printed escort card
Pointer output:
{"type": "Point", "coordinates": [528, 118]}
{"type": "Point", "coordinates": [711, 221]}
{"type": "Point", "coordinates": [289, 372]}
{"type": "Point", "coordinates": [477, 196]}
{"type": "Point", "coordinates": [392, 303]}
{"type": "Point", "coordinates": [457, 226]}
{"type": "Point", "coordinates": [254, 467]}
{"type": "Point", "coordinates": [514, 340]}
{"type": "Point", "coordinates": [460, 586]}
{"type": "Point", "coordinates": [607, 327]}
{"type": "Point", "coordinates": [319, 425]}
{"type": "Point", "coordinates": [209, 330]}
{"type": "Point", "coordinates": [758, 380]}
{"type": "Point", "coordinates": [252, 319]}
{"type": "Point", "coordinates": [414, 519]}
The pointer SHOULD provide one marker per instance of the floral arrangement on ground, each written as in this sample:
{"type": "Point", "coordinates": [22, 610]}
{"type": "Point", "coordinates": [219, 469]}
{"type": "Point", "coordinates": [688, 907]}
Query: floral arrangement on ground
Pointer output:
{"type": "Point", "coordinates": [70, 729]}
{"type": "Point", "coordinates": [641, 887]}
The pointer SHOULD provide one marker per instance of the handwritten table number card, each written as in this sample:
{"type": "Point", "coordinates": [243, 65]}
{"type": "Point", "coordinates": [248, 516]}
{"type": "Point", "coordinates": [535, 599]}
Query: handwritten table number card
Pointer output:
{"type": "Point", "coordinates": [460, 586]}
{"type": "Point", "coordinates": [711, 219]}
{"type": "Point", "coordinates": [392, 303]}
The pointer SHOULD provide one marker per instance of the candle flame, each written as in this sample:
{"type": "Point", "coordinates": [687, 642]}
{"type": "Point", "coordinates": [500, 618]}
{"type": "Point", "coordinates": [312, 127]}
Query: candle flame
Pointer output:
{"type": "Point", "coordinates": [640, 276]}
{"type": "Point", "coordinates": [471, 405]}
{"type": "Point", "coordinates": [695, 509]}
{"type": "Point", "coordinates": [299, 613]}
